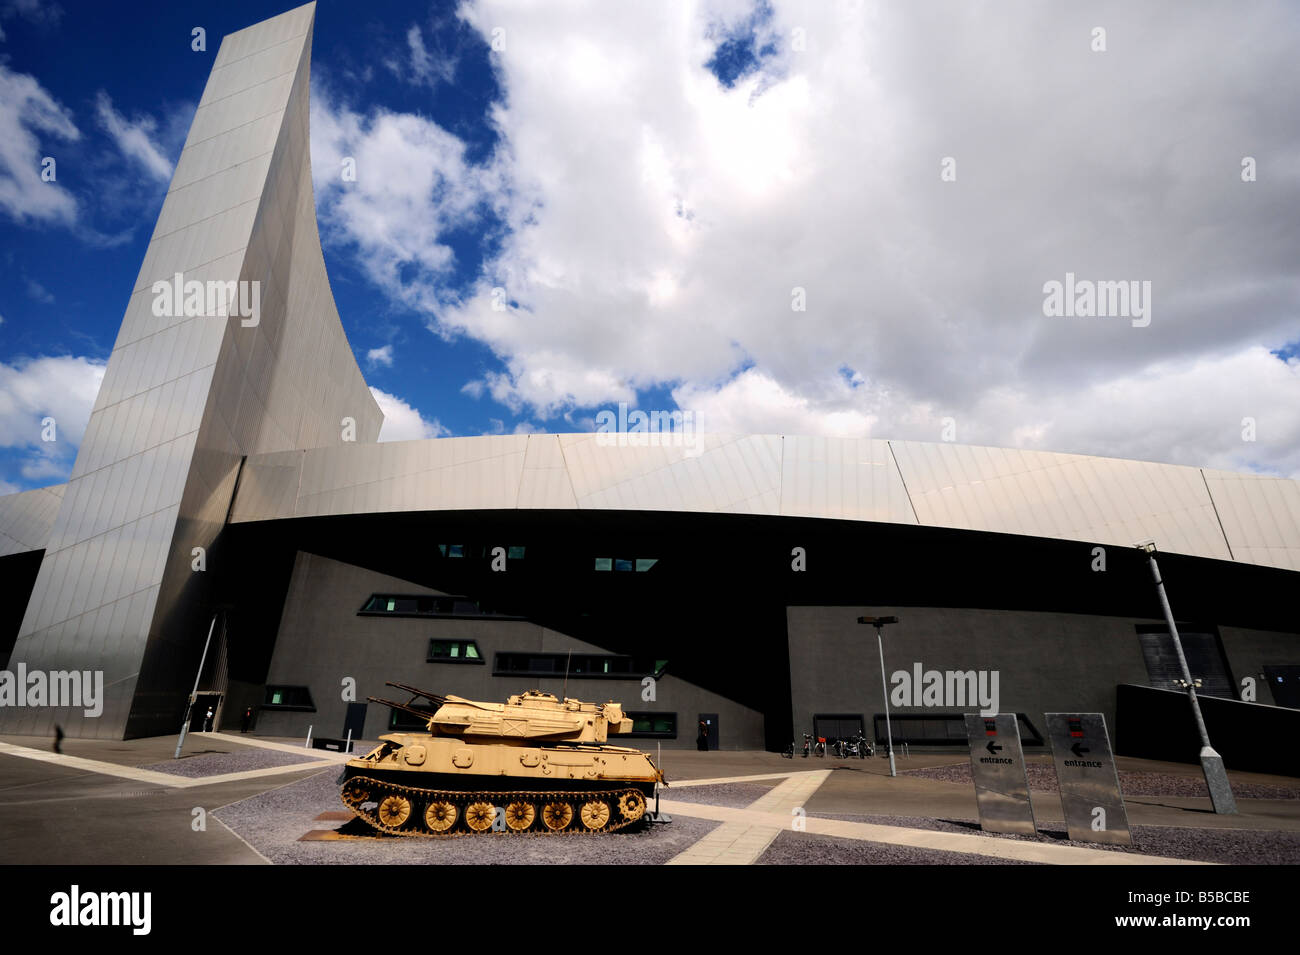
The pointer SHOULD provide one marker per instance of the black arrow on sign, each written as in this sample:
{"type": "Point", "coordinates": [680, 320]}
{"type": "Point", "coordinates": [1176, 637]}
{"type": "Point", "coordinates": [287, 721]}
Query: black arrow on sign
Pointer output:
{"type": "Point", "coordinates": [1078, 749]}
{"type": "Point", "coordinates": [993, 747]}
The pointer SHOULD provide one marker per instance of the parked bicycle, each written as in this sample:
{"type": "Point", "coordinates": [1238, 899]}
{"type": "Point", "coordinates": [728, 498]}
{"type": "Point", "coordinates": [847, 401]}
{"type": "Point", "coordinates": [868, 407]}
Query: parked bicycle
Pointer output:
{"type": "Point", "coordinates": [856, 745]}
{"type": "Point", "coordinates": [816, 745]}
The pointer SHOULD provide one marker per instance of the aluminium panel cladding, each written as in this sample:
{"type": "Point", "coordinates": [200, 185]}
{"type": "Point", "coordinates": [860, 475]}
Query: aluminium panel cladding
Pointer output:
{"type": "Point", "coordinates": [1260, 517]}
{"type": "Point", "coordinates": [26, 518]}
{"type": "Point", "coordinates": [1063, 496]}
{"type": "Point", "coordinates": [183, 398]}
{"type": "Point", "coordinates": [1089, 499]}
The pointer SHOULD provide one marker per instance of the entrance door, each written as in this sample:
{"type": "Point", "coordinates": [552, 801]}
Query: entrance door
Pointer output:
{"type": "Point", "coordinates": [710, 721]}
{"type": "Point", "coordinates": [201, 703]}
{"type": "Point", "coordinates": [355, 721]}
{"type": "Point", "coordinates": [1284, 681]}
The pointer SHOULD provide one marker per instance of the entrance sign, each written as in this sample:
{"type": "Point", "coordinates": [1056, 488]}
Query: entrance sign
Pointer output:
{"type": "Point", "coordinates": [1085, 768]}
{"type": "Point", "coordinates": [997, 763]}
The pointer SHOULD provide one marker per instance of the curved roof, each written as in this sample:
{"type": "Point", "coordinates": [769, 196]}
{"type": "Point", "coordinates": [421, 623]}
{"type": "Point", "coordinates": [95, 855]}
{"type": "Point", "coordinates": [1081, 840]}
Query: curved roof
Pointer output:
{"type": "Point", "coordinates": [1110, 501]}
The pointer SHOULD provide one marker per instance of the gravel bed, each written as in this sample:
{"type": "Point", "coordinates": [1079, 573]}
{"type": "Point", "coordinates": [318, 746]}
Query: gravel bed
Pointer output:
{"type": "Point", "coordinates": [1043, 779]}
{"type": "Point", "coordinates": [731, 795]}
{"type": "Point", "coordinates": [272, 822]}
{"type": "Point", "coordinates": [791, 848]}
{"type": "Point", "coordinates": [215, 764]}
{"type": "Point", "coordinates": [1226, 846]}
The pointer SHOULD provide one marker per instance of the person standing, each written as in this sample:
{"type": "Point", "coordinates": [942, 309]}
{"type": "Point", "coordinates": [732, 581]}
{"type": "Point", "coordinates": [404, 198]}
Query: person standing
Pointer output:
{"type": "Point", "coordinates": [247, 720]}
{"type": "Point", "coordinates": [207, 720]}
{"type": "Point", "coordinates": [702, 741]}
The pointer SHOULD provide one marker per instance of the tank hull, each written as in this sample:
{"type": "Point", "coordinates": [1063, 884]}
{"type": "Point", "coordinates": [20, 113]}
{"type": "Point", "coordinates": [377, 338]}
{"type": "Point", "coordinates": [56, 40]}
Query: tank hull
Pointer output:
{"type": "Point", "coordinates": [426, 785]}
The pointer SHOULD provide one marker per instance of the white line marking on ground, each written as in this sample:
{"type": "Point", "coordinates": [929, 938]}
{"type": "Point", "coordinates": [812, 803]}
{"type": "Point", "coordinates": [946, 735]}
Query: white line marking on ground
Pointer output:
{"type": "Point", "coordinates": [916, 838]}
{"type": "Point", "coordinates": [153, 777]}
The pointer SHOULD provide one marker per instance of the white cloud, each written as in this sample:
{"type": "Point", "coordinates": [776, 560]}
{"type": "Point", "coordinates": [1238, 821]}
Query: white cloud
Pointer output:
{"type": "Point", "coordinates": [136, 139]}
{"type": "Point", "coordinates": [380, 356]}
{"type": "Point", "coordinates": [412, 186]}
{"type": "Point", "coordinates": [39, 292]}
{"type": "Point", "coordinates": [659, 223]}
{"type": "Point", "coordinates": [32, 122]}
{"type": "Point", "coordinates": [425, 67]}
{"type": "Point", "coordinates": [403, 422]}
{"type": "Point", "coordinates": [62, 388]}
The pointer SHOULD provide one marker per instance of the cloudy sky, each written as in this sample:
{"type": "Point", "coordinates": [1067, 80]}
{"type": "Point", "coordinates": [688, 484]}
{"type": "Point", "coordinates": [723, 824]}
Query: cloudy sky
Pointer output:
{"type": "Point", "coordinates": [830, 217]}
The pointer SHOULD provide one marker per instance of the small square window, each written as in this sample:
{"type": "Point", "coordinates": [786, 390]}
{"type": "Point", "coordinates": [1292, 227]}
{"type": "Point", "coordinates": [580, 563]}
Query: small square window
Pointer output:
{"type": "Point", "coordinates": [604, 563]}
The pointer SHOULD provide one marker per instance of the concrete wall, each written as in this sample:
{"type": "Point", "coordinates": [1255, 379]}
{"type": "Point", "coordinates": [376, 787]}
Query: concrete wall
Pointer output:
{"type": "Point", "coordinates": [1046, 662]}
{"type": "Point", "coordinates": [322, 640]}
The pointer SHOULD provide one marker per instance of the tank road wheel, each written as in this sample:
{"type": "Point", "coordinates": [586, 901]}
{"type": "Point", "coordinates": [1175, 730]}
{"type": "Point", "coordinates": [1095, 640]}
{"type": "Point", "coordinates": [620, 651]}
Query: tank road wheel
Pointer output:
{"type": "Point", "coordinates": [480, 815]}
{"type": "Point", "coordinates": [557, 815]}
{"type": "Point", "coordinates": [520, 815]}
{"type": "Point", "coordinates": [394, 811]}
{"type": "Point", "coordinates": [631, 805]}
{"type": "Point", "coordinates": [355, 791]}
{"type": "Point", "coordinates": [594, 814]}
{"type": "Point", "coordinates": [440, 816]}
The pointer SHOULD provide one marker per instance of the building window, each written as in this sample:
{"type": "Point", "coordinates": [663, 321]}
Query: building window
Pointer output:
{"type": "Point", "coordinates": [837, 726]}
{"type": "Point", "coordinates": [944, 729]}
{"type": "Point", "coordinates": [288, 698]}
{"type": "Point", "coordinates": [401, 720]}
{"type": "Point", "coordinates": [425, 605]}
{"type": "Point", "coordinates": [513, 551]}
{"type": "Point", "coordinates": [626, 564]}
{"type": "Point", "coordinates": [1203, 652]}
{"type": "Point", "coordinates": [454, 651]}
{"type": "Point", "coordinates": [582, 665]}
{"type": "Point", "coordinates": [652, 725]}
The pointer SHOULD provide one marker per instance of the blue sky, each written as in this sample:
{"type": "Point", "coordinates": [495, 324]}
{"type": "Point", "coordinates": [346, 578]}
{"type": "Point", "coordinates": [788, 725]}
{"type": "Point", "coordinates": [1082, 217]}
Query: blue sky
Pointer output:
{"type": "Point", "coordinates": [650, 184]}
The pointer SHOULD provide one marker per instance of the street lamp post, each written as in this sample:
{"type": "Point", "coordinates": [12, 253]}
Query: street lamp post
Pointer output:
{"type": "Point", "coordinates": [879, 623]}
{"type": "Point", "coordinates": [1216, 776]}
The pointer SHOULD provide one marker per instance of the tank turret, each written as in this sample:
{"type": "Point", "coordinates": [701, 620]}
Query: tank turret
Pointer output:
{"type": "Point", "coordinates": [534, 763]}
{"type": "Point", "coordinates": [533, 715]}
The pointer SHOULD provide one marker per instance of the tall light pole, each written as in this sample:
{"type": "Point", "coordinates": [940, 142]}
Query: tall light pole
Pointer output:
{"type": "Point", "coordinates": [1216, 776]}
{"type": "Point", "coordinates": [879, 623]}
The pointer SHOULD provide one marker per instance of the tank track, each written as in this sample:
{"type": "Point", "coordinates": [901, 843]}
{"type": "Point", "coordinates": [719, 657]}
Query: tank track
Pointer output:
{"type": "Point", "coordinates": [406, 814]}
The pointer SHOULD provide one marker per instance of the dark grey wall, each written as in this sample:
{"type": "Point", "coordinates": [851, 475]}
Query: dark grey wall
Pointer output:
{"type": "Point", "coordinates": [322, 640]}
{"type": "Point", "coordinates": [1046, 662]}
{"type": "Point", "coordinates": [1249, 651]}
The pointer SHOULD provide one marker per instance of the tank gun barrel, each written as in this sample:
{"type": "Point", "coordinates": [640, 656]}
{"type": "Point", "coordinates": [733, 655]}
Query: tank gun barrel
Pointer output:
{"type": "Point", "coordinates": [424, 715]}
{"type": "Point", "coordinates": [409, 706]}
{"type": "Point", "coordinates": [415, 692]}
